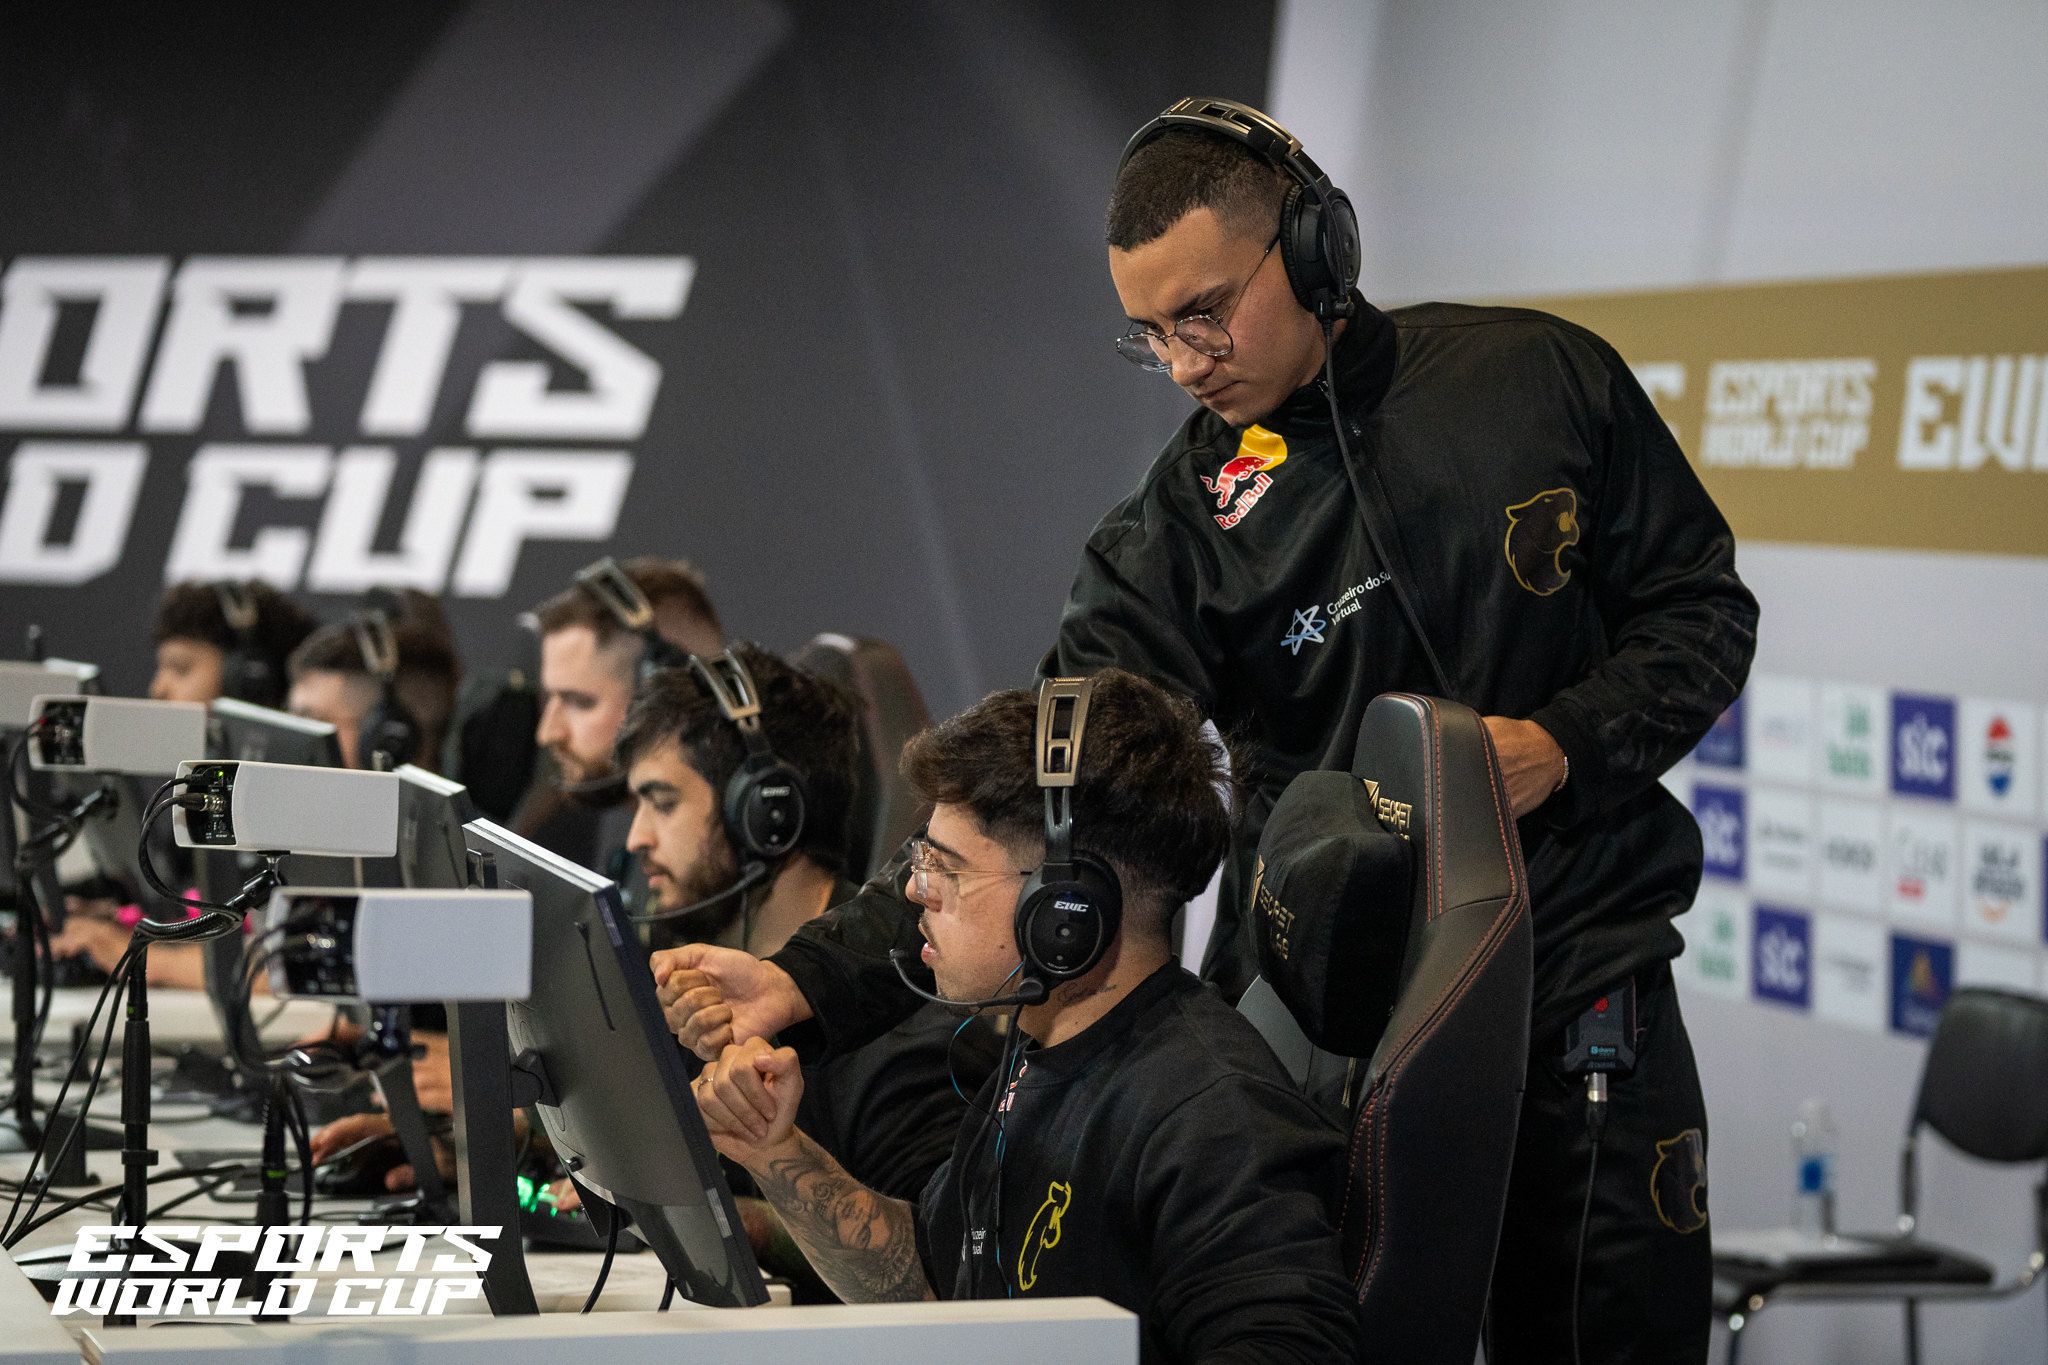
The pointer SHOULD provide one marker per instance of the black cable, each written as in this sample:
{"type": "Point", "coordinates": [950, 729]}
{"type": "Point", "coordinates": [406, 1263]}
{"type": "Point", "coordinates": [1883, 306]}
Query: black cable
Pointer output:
{"type": "Point", "coordinates": [1596, 1123]}
{"type": "Point", "coordinates": [611, 1247]}
{"type": "Point", "coordinates": [16, 752]}
{"type": "Point", "coordinates": [228, 1172]}
{"type": "Point", "coordinates": [668, 1296]}
{"type": "Point", "coordinates": [116, 988]}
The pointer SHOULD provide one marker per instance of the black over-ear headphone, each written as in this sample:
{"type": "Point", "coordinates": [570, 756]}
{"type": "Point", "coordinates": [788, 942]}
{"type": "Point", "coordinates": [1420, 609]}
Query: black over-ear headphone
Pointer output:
{"type": "Point", "coordinates": [763, 801]}
{"type": "Point", "coordinates": [1318, 227]}
{"type": "Point", "coordinates": [246, 674]}
{"type": "Point", "coordinates": [621, 596]}
{"type": "Point", "coordinates": [389, 734]}
{"type": "Point", "coordinates": [1069, 911]}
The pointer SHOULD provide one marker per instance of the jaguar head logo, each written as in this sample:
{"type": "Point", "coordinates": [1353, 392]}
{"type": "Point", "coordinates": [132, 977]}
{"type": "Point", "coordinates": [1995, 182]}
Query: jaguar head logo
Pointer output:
{"type": "Point", "coordinates": [1678, 1182]}
{"type": "Point", "coordinates": [1539, 532]}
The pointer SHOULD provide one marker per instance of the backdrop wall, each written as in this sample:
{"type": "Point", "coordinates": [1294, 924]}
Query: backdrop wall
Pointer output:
{"type": "Point", "coordinates": [1546, 153]}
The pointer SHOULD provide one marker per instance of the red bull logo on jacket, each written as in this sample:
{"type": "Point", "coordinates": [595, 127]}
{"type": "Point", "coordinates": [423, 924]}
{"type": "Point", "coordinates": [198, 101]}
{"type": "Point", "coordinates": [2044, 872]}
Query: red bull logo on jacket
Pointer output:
{"type": "Point", "coordinates": [1244, 476]}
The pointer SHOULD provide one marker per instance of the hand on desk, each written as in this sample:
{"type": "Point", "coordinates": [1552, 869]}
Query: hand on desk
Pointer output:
{"type": "Point", "coordinates": [91, 933]}
{"type": "Point", "coordinates": [347, 1132]}
{"type": "Point", "coordinates": [715, 997]}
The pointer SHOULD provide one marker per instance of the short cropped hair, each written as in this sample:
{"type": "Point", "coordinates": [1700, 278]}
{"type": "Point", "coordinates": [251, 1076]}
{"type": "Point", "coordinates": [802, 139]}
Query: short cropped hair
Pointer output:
{"type": "Point", "coordinates": [192, 611]}
{"type": "Point", "coordinates": [429, 670]}
{"type": "Point", "coordinates": [1185, 169]}
{"type": "Point", "coordinates": [1148, 797]}
{"type": "Point", "coordinates": [673, 587]}
{"type": "Point", "coordinates": [810, 723]}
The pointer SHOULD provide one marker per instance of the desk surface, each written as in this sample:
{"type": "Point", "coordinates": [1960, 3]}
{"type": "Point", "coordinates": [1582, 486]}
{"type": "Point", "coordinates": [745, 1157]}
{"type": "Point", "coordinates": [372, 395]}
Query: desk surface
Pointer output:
{"type": "Point", "coordinates": [1069, 1330]}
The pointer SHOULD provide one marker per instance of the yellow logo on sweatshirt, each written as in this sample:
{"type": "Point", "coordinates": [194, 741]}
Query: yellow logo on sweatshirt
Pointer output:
{"type": "Point", "coordinates": [1044, 1233]}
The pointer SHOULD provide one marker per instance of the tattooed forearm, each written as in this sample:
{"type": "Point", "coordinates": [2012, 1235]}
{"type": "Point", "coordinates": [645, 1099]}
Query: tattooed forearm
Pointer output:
{"type": "Point", "coordinates": [863, 1244]}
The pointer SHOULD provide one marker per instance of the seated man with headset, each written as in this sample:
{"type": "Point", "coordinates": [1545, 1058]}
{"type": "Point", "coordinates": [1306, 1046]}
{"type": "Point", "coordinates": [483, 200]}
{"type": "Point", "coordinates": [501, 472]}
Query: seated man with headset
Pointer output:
{"type": "Point", "coordinates": [1138, 1140]}
{"type": "Point", "coordinates": [742, 773]}
{"type": "Point", "coordinates": [385, 679]}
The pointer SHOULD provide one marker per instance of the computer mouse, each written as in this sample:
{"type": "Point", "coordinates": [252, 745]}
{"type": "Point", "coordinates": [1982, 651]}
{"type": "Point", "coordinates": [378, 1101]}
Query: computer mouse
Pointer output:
{"type": "Point", "coordinates": [360, 1174]}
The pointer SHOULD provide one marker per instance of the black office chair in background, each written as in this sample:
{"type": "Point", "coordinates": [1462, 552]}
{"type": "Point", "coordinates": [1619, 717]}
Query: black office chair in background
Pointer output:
{"type": "Point", "coordinates": [885, 811]}
{"type": "Point", "coordinates": [1392, 912]}
{"type": "Point", "coordinates": [1983, 1088]}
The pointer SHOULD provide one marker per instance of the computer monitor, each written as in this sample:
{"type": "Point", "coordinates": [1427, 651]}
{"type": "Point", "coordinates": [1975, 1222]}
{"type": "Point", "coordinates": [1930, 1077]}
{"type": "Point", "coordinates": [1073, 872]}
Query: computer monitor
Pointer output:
{"type": "Point", "coordinates": [622, 1114]}
{"type": "Point", "coordinates": [431, 814]}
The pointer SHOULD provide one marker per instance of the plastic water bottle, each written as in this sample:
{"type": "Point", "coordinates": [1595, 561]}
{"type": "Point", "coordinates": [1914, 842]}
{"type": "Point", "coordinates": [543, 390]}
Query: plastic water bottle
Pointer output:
{"type": "Point", "coordinates": [1813, 1156]}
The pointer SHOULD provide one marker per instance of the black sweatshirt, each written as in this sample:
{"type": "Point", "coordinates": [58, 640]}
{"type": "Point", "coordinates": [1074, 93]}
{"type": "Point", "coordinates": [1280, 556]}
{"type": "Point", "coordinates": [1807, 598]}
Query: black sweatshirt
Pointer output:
{"type": "Point", "coordinates": [1562, 557]}
{"type": "Point", "coordinates": [1163, 1161]}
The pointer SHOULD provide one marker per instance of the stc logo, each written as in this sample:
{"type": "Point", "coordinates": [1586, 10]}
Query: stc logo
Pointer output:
{"type": "Point", "coordinates": [1719, 812]}
{"type": "Point", "coordinates": [1783, 967]}
{"type": "Point", "coordinates": [1923, 746]}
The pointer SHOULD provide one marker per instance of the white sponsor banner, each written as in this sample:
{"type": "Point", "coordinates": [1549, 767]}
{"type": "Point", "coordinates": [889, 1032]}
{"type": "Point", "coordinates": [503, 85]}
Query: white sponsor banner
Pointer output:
{"type": "Point", "coordinates": [2002, 881]}
{"type": "Point", "coordinates": [1853, 732]}
{"type": "Point", "coordinates": [1921, 856]}
{"type": "Point", "coordinates": [1716, 930]}
{"type": "Point", "coordinates": [1783, 728]}
{"type": "Point", "coordinates": [1985, 964]}
{"type": "Point", "coordinates": [1851, 855]}
{"type": "Point", "coordinates": [1782, 840]}
{"type": "Point", "coordinates": [1850, 971]}
{"type": "Point", "coordinates": [2000, 755]}
{"type": "Point", "coordinates": [1677, 780]}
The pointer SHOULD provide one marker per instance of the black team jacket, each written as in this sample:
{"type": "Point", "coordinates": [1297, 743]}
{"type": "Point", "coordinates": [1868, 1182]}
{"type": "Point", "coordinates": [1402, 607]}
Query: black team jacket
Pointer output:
{"type": "Point", "coordinates": [1560, 552]}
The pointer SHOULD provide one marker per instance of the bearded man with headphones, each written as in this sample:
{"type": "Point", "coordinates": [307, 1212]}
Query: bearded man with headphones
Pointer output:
{"type": "Point", "coordinates": [1476, 503]}
{"type": "Point", "coordinates": [1137, 1140]}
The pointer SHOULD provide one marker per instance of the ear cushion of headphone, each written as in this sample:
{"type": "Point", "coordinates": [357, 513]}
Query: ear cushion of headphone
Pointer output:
{"type": "Point", "coordinates": [764, 808]}
{"type": "Point", "coordinates": [1067, 916]}
{"type": "Point", "coordinates": [247, 677]}
{"type": "Point", "coordinates": [1300, 248]}
{"type": "Point", "coordinates": [1319, 250]}
{"type": "Point", "coordinates": [388, 728]}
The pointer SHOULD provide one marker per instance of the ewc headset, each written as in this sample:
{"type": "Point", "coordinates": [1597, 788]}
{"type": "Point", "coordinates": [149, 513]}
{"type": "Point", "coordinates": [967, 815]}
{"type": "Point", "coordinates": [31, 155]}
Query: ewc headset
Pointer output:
{"type": "Point", "coordinates": [1318, 227]}
{"type": "Point", "coordinates": [1070, 909]}
{"type": "Point", "coordinates": [389, 734]}
{"type": "Point", "coordinates": [1319, 249]}
{"type": "Point", "coordinates": [246, 674]}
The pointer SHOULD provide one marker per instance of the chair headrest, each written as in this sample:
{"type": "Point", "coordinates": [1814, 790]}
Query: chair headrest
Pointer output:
{"type": "Point", "coordinates": [1431, 768]}
{"type": "Point", "coordinates": [1330, 905]}
{"type": "Point", "coordinates": [885, 811]}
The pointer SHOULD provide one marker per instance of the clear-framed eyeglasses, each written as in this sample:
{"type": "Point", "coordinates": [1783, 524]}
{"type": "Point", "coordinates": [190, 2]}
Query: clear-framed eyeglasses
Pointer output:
{"type": "Point", "coordinates": [926, 872]}
{"type": "Point", "coordinates": [1203, 333]}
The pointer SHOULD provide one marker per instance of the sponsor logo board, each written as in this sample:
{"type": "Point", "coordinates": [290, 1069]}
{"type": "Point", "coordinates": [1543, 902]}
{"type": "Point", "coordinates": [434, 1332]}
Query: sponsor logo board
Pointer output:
{"type": "Point", "coordinates": [1923, 973]}
{"type": "Point", "coordinates": [1849, 971]}
{"type": "Point", "coordinates": [1923, 746]}
{"type": "Point", "coordinates": [1719, 812]}
{"type": "Point", "coordinates": [1989, 964]}
{"type": "Point", "coordinates": [1852, 743]}
{"type": "Point", "coordinates": [2002, 882]}
{"type": "Point", "coordinates": [1781, 728]}
{"type": "Point", "coordinates": [1782, 841]}
{"type": "Point", "coordinates": [1921, 867]}
{"type": "Point", "coordinates": [1850, 854]}
{"type": "Point", "coordinates": [1998, 758]}
{"type": "Point", "coordinates": [1716, 930]}
{"type": "Point", "coordinates": [1781, 960]}
{"type": "Point", "coordinates": [1721, 746]}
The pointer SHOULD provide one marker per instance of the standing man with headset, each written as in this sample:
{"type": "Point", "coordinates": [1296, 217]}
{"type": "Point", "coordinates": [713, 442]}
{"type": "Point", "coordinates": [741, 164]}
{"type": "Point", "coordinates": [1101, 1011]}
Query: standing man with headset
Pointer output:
{"type": "Point", "coordinates": [1479, 503]}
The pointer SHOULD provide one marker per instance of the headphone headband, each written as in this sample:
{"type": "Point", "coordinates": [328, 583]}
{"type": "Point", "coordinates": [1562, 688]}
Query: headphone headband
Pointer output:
{"type": "Point", "coordinates": [738, 700]}
{"type": "Point", "coordinates": [1069, 910]}
{"type": "Point", "coordinates": [618, 594]}
{"type": "Point", "coordinates": [1319, 243]}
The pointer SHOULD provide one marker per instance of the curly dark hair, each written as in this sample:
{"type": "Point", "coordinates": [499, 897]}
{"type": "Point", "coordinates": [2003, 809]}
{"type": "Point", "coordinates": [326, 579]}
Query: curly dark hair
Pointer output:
{"type": "Point", "coordinates": [811, 724]}
{"type": "Point", "coordinates": [1149, 796]}
{"type": "Point", "coordinates": [192, 610]}
{"type": "Point", "coordinates": [1186, 169]}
